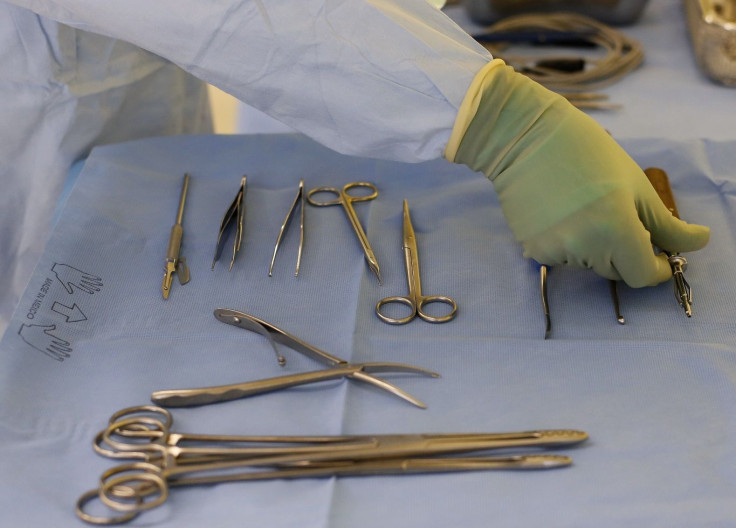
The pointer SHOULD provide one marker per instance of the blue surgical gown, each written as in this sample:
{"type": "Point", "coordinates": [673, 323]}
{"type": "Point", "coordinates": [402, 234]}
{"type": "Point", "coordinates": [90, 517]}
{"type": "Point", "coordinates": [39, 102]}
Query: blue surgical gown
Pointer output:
{"type": "Point", "coordinates": [374, 78]}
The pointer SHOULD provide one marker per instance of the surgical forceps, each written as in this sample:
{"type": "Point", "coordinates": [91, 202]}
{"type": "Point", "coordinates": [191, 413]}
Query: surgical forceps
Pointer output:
{"type": "Point", "coordinates": [346, 200]}
{"type": "Point", "coordinates": [137, 433]}
{"type": "Point", "coordinates": [234, 214]}
{"type": "Point", "coordinates": [298, 200]}
{"type": "Point", "coordinates": [132, 488]}
{"type": "Point", "coordinates": [340, 369]}
{"type": "Point", "coordinates": [174, 262]}
{"type": "Point", "coordinates": [414, 300]}
{"type": "Point", "coordinates": [543, 274]}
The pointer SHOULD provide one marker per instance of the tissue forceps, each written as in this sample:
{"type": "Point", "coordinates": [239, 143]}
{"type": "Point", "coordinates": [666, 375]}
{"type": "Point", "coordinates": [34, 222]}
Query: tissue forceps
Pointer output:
{"type": "Point", "coordinates": [339, 369]}
{"type": "Point", "coordinates": [174, 262]}
{"type": "Point", "coordinates": [298, 200]}
{"type": "Point", "coordinates": [235, 214]}
{"type": "Point", "coordinates": [346, 200]}
{"type": "Point", "coordinates": [414, 300]}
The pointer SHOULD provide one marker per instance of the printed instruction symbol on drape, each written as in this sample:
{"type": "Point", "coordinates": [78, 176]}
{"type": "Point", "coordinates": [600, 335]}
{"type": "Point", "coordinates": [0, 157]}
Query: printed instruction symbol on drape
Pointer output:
{"type": "Point", "coordinates": [74, 279]}
{"type": "Point", "coordinates": [41, 338]}
{"type": "Point", "coordinates": [72, 314]}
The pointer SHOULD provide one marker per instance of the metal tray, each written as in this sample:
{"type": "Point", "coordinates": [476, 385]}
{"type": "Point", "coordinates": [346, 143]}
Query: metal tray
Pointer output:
{"type": "Point", "coordinates": [615, 12]}
{"type": "Point", "coordinates": [712, 26]}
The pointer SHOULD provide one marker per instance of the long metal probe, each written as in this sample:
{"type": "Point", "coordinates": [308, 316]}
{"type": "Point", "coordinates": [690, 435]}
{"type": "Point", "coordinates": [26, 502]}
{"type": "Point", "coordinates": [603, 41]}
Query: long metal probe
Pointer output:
{"type": "Point", "coordinates": [613, 286]}
{"type": "Point", "coordinates": [545, 300]}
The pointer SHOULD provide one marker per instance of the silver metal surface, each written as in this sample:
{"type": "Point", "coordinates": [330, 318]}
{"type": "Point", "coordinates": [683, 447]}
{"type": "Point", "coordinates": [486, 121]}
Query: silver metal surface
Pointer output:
{"type": "Point", "coordinates": [712, 26]}
{"type": "Point", "coordinates": [340, 369]}
{"type": "Point", "coordinates": [234, 216]}
{"type": "Point", "coordinates": [143, 434]}
{"type": "Point", "coordinates": [298, 201]}
{"type": "Point", "coordinates": [346, 200]}
{"type": "Point", "coordinates": [683, 293]}
{"type": "Point", "coordinates": [613, 286]}
{"type": "Point", "coordinates": [545, 300]}
{"type": "Point", "coordinates": [176, 264]}
{"type": "Point", "coordinates": [414, 300]}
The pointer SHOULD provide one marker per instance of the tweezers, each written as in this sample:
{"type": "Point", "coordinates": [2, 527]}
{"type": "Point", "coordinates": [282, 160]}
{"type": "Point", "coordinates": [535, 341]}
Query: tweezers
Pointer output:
{"type": "Point", "coordinates": [340, 369]}
{"type": "Point", "coordinates": [298, 200]}
{"type": "Point", "coordinates": [235, 212]}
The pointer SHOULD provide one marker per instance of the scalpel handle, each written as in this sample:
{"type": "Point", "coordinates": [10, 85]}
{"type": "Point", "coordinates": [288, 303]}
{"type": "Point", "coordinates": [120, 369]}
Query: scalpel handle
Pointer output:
{"type": "Point", "coordinates": [658, 178]}
{"type": "Point", "coordinates": [221, 393]}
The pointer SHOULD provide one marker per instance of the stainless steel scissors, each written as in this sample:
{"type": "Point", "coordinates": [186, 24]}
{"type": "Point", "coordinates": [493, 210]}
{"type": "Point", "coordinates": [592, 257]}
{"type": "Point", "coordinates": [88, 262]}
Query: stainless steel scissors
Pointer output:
{"type": "Point", "coordinates": [415, 300]}
{"type": "Point", "coordinates": [346, 200]}
{"type": "Point", "coordinates": [340, 369]}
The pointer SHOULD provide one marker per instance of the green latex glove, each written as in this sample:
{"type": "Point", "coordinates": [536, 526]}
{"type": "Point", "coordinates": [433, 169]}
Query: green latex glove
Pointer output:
{"type": "Point", "coordinates": [569, 192]}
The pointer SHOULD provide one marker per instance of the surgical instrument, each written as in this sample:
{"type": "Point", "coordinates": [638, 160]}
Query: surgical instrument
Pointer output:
{"type": "Point", "coordinates": [346, 201]}
{"type": "Point", "coordinates": [545, 300]}
{"type": "Point", "coordinates": [144, 433]}
{"type": "Point", "coordinates": [543, 284]}
{"type": "Point", "coordinates": [414, 300]}
{"type": "Point", "coordinates": [133, 488]}
{"type": "Point", "coordinates": [613, 287]}
{"type": "Point", "coordinates": [340, 369]}
{"type": "Point", "coordinates": [678, 263]}
{"type": "Point", "coordinates": [174, 262]}
{"type": "Point", "coordinates": [298, 200]}
{"type": "Point", "coordinates": [235, 214]}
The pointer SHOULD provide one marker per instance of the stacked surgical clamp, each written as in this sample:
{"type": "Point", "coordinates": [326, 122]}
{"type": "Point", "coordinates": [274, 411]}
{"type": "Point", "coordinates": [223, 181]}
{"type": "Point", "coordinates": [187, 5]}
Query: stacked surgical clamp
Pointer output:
{"type": "Point", "coordinates": [160, 458]}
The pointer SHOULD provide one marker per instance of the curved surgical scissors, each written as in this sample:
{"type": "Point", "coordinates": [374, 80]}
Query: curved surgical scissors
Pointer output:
{"type": "Point", "coordinates": [340, 368]}
{"type": "Point", "coordinates": [346, 200]}
{"type": "Point", "coordinates": [415, 300]}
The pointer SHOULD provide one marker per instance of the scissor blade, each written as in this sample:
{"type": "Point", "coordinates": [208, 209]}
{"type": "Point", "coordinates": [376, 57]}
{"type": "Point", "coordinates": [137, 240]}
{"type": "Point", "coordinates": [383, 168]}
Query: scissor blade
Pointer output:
{"type": "Point", "coordinates": [410, 239]}
{"type": "Point", "coordinates": [382, 384]}
{"type": "Point", "coordinates": [395, 367]}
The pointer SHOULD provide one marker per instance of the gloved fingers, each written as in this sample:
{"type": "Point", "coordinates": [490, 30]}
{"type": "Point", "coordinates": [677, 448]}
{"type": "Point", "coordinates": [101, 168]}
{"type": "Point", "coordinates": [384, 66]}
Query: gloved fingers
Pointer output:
{"type": "Point", "coordinates": [614, 245]}
{"type": "Point", "coordinates": [668, 232]}
{"type": "Point", "coordinates": [635, 261]}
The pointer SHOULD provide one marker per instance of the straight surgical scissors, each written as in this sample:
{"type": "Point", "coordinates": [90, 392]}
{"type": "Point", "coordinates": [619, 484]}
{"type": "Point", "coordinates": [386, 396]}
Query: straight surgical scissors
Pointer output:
{"type": "Point", "coordinates": [415, 300]}
{"type": "Point", "coordinates": [346, 200]}
{"type": "Point", "coordinates": [340, 369]}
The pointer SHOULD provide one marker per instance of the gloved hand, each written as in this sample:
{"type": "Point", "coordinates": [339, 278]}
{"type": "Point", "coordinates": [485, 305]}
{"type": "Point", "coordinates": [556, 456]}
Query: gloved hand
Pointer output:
{"type": "Point", "coordinates": [569, 192]}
